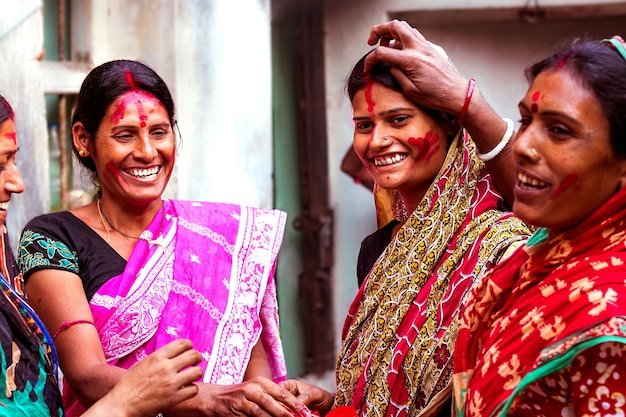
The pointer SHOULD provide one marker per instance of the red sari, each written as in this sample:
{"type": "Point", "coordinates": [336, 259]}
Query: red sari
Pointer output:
{"type": "Point", "coordinates": [535, 320]}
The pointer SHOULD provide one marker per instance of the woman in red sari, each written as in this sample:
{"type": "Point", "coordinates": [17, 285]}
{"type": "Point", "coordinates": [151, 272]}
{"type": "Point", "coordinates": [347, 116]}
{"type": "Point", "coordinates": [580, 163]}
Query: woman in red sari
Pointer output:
{"type": "Point", "coordinates": [544, 333]}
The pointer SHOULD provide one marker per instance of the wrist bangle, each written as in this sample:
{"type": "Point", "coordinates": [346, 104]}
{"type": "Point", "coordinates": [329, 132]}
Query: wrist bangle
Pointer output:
{"type": "Point", "coordinates": [505, 139]}
{"type": "Point", "coordinates": [468, 97]}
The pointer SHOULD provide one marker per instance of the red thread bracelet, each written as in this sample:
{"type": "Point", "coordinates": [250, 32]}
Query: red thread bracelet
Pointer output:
{"type": "Point", "coordinates": [67, 324]}
{"type": "Point", "coordinates": [468, 97]}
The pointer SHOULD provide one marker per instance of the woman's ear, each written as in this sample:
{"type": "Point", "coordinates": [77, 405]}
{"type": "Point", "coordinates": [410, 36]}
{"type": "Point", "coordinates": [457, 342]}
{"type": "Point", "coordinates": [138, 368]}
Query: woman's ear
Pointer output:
{"type": "Point", "coordinates": [80, 138]}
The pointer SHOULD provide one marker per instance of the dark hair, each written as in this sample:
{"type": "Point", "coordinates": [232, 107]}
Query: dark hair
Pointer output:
{"type": "Point", "coordinates": [601, 69]}
{"type": "Point", "coordinates": [381, 73]}
{"type": "Point", "coordinates": [6, 112]}
{"type": "Point", "coordinates": [359, 79]}
{"type": "Point", "coordinates": [104, 84]}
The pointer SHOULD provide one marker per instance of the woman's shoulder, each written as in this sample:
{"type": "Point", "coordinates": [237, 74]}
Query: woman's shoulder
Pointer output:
{"type": "Point", "coordinates": [55, 220]}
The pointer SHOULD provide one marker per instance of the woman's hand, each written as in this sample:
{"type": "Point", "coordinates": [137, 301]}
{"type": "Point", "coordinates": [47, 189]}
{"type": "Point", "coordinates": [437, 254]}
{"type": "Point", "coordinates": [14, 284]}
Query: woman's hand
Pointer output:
{"type": "Point", "coordinates": [426, 76]}
{"type": "Point", "coordinates": [315, 398]}
{"type": "Point", "coordinates": [159, 381]}
{"type": "Point", "coordinates": [255, 397]}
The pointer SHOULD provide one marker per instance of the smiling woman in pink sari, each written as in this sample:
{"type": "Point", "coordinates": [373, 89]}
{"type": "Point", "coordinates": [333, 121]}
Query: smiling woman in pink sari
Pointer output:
{"type": "Point", "coordinates": [116, 279]}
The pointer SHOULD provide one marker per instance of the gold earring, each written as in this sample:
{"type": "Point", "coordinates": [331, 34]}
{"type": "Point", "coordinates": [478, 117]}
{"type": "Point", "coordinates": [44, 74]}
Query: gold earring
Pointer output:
{"type": "Point", "coordinates": [81, 153]}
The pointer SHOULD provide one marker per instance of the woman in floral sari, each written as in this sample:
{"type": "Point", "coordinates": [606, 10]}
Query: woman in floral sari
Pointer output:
{"type": "Point", "coordinates": [544, 333]}
{"type": "Point", "coordinates": [116, 279]}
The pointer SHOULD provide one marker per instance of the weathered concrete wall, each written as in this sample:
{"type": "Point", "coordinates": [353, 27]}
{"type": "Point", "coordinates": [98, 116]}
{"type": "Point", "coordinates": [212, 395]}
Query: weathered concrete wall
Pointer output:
{"type": "Point", "coordinates": [21, 45]}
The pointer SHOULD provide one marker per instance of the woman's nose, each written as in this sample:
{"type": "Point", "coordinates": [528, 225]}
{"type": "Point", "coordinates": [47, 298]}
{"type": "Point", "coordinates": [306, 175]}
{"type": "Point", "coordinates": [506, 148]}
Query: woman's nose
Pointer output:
{"type": "Point", "coordinates": [13, 180]}
{"type": "Point", "coordinates": [145, 149]}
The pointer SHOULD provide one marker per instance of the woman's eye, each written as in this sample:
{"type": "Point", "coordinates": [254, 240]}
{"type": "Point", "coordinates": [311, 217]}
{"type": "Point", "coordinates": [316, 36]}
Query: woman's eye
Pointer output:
{"type": "Point", "coordinates": [559, 131]}
{"type": "Point", "coordinates": [364, 126]}
{"type": "Point", "coordinates": [400, 119]}
{"type": "Point", "coordinates": [159, 133]}
{"type": "Point", "coordinates": [123, 136]}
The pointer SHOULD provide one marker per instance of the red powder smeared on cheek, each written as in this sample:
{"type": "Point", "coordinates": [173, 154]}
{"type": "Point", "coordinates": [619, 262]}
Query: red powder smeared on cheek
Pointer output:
{"type": "Point", "coordinates": [12, 136]}
{"type": "Point", "coordinates": [565, 184]}
{"type": "Point", "coordinates": [426, 146]}
{"type": "Point", "coordinates": [110, 168]}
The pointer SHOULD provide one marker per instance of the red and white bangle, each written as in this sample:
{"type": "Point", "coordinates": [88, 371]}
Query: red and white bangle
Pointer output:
{"type": "Point", "coordinates": [485, 157]}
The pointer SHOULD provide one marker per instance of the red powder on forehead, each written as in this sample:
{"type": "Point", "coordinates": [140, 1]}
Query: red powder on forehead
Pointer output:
{"type": "Point", "coordinates": [565, 184]}
{"type": "Point", "coordinates": [368, 94]}
{"type": "Point", "coordinates": [137, 98]}
{"type": "Point", "coordinates": [535, 107]}
{"type": "Point", "coordinates": [142, 114]}
{"type": "Point", "coordinates": [12, 136]}
{"type": "Point", "coordinates": [130, 80]}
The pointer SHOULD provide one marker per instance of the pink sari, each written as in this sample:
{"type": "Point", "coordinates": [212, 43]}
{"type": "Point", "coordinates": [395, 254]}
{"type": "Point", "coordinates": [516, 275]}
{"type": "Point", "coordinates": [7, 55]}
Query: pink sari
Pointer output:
{"type": "Point", "coordinates": [209, 279]}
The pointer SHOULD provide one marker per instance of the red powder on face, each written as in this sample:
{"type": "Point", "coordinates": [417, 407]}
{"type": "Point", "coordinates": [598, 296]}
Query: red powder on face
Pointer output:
{"type": "Point", "coordinates": [565, 184]}
{"type": "Point", "coordinates": [110, 167]}
{"type": "Point", "coordinates": [535, 107]}
{"type": "Point", "coordinates": [12, 136]}
{"type": "Point", "coordinates": [142, 114]}
{"type": "Point", "coordinates": [426, 145]}
{"type": "Point", "coordinates": [536, 95]}
{"type": "Point", "coordinates": [137, 98]}
{"type": "Point", "coordinates": [368, 94]}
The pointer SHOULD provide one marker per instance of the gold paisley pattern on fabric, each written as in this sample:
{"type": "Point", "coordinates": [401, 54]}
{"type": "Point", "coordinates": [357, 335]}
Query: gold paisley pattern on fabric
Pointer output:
{"type": "Point", "coordinates": [399, 334]}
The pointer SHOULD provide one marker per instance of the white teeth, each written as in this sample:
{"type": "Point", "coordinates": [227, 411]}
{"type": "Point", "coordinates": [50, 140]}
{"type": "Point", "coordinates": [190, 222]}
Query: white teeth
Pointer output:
{"type": "Point", "coordinates": [388, 160]}
{"type": "Point", "coordinates": [4, 205]}
{"type": "Point", "coordinates": [528, 181]}
{"type": "Point", "coordinates": [144, 173]}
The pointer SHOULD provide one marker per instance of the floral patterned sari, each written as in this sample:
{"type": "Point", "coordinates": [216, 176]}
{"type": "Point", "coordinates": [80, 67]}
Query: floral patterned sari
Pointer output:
{"type": "Point", "coordinates": [533, 315]}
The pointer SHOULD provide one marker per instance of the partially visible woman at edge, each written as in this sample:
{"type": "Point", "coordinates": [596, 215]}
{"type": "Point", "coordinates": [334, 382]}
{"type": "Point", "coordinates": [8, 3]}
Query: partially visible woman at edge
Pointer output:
{"type": "Point", "coordinates": [28, 362]}
{"type": "Point", "coordinates": [118, 278]}
{"type": "Point", "coordinates": [544, 334]}
{"type": "Point", "coordinates": [450, 226]}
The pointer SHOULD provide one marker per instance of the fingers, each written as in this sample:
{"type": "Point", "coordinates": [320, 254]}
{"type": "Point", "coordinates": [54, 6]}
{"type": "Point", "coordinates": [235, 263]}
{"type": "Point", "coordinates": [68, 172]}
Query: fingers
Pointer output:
{"type": "Point", "coordinates": [275, 400]}
{"type": "Point", "coordinates": [394, 33]}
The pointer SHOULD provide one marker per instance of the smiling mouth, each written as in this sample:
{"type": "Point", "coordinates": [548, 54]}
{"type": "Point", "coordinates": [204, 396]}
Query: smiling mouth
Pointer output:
{"type": "Point", "coordinates": [4, 205]}
{"type": "Point", "coordinates": [525, 181]}
{"type": "Point", "coordinates": [382, 161]}
{"type": "Point", "coordinates": [148, 173]}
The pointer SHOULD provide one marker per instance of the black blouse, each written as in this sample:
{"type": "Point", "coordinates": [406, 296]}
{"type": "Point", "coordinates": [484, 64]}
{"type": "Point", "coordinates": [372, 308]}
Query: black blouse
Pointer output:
{"type": "Point", "coordinates": [63, 241]}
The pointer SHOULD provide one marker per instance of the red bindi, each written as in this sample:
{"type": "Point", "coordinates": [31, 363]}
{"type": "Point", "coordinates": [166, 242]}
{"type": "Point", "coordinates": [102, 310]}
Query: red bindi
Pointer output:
{"type": "Point", "coordinates": [535, 107]}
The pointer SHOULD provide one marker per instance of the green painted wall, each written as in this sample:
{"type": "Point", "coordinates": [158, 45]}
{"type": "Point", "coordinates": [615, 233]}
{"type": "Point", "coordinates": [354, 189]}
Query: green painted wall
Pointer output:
{"type": "Point", "coordinates": [286, 183]}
